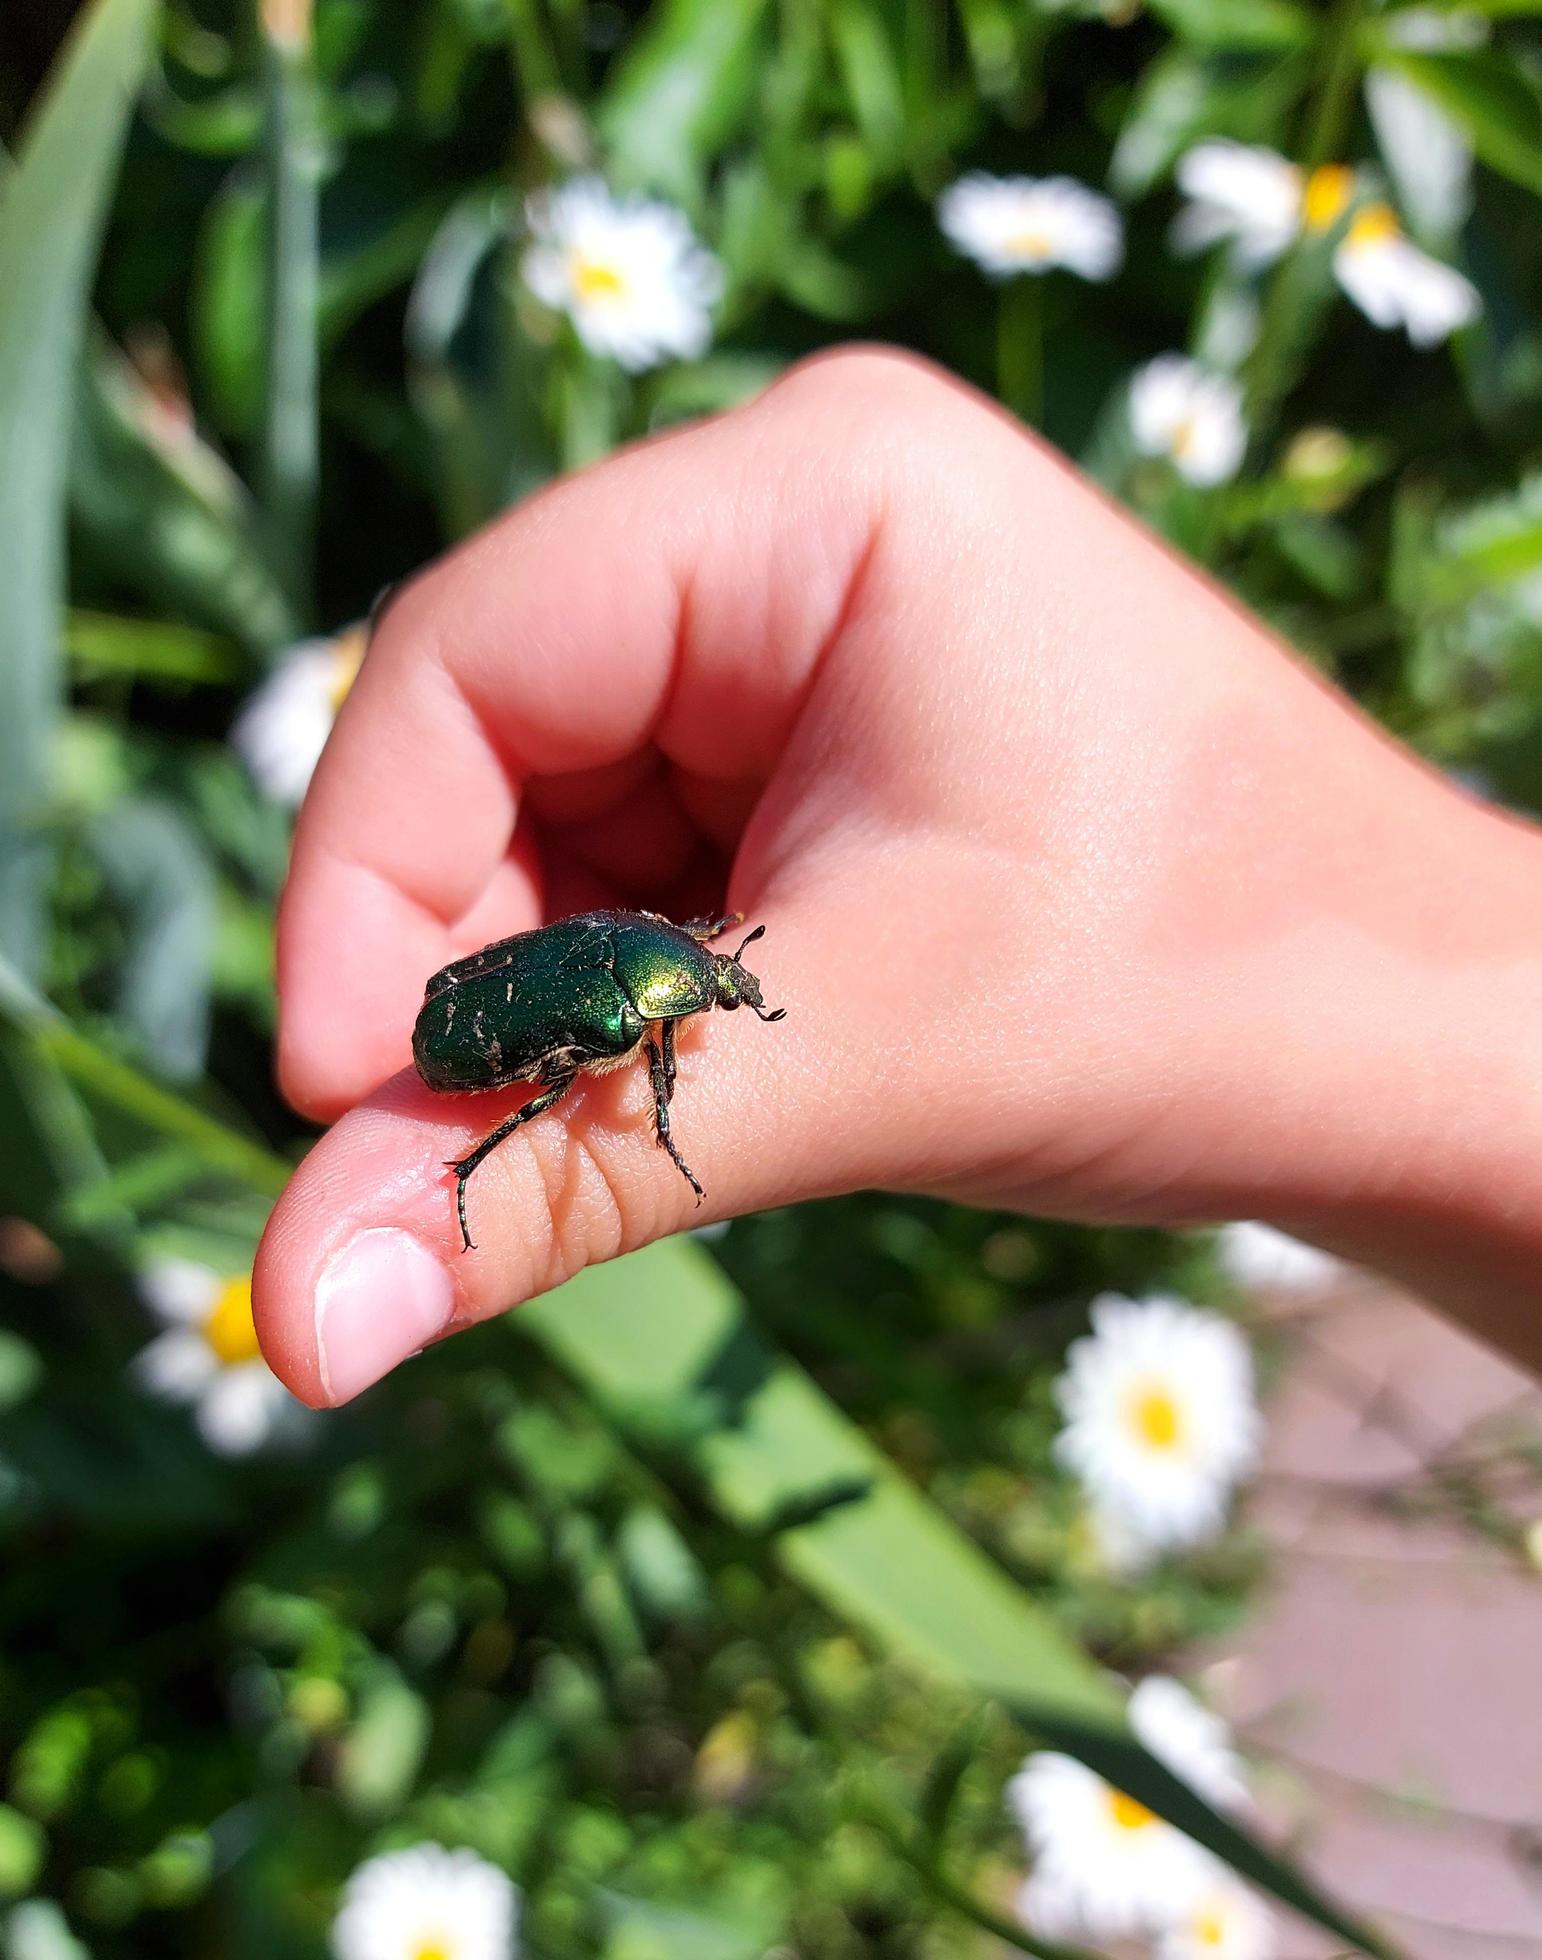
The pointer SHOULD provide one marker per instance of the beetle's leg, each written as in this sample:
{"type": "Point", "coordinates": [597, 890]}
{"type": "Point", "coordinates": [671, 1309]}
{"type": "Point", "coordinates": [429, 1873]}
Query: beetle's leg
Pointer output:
{"type": "Point", "coordinates": [557, 1087]}
{"type": "Point", "coordinates": [709, 928]}
{"type": "Point", "coordinates": [670, 1070]}
{"type": "Point", "coordinates": [658, 1074]}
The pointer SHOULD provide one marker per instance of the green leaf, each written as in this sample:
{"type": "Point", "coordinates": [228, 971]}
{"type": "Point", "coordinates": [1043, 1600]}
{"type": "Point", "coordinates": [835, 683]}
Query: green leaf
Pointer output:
{"type": "Point", "coordinates": [870, 72]}
{"type": "Point", "coordinates": [1185, 95]}
{"type": "Point", "coordinates": [227, 302]}
{"type": "Point", "coordinates": [48, 1039]}
{"type": "Point", "coordinates": [51, 213]}
{"type": "Point", "coordinates": [474, 375]}
{"type": "Point", "coordinates": [160, 875]}
{"type": "Point", "coordinates": [160, 512]}
{"type": "Point", "coordinates": [383, 1750]}
{"type": "Point", "coordinates": [947, 1773]}
{"type": "Point", "coordinates": [23, 1847]}
{"type": "Point", "coordinates": [1493, 99]}
{"type": "Point", "coordinates": [782, 1461]}
{"type": "Point", "coordinates": [150, 649]}
{"type": "Point", "coordinates": [681, 92]}
{"type": "Point", "coordinates": [290, 473]}
{"type": "Point", "coordinates": [639, 1930]}
{"type": "Point", "coordinates": [1240, 25]}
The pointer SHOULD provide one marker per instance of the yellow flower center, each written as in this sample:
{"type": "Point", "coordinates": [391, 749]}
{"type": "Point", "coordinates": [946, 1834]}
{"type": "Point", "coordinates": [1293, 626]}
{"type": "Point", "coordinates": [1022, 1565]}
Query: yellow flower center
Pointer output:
{"type": "Point", "coordinates": [1127, 1813]}
{"type": "Point", "coordinates": [347, 658]}
{"type": "Point", "coordinates": [1326, 197]}
{"type": "Point", "coordinates": [1155, 1417]}
{"type": "Point", "coordinates": [1210, 1929]}
{"type": "Point", "coordinates": [1030, 245]}
{"type": "Point", "coordinates": [228, 1327]}
{"type": "Point", "coordinates": [1376, 225]}
{"type": "Point", "coordinates": [1182, 441]}
{"type": "Point", "coordinates": [594, 280]}
{"type": "Point", "coordinates": [433, 1949]}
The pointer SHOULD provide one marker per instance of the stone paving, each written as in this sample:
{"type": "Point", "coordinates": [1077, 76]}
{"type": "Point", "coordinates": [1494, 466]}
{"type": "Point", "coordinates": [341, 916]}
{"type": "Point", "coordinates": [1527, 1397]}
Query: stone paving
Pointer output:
{"type": "Point", "coordinates": [1392, 1674]}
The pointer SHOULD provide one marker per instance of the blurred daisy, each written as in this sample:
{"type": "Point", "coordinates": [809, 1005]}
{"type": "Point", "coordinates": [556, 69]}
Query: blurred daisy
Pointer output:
{"type": "Point", "coordinates": [1394, 284]}
{"type": "Point", "coordinates": [1103, 1864]}
{"type": "Point", "coordinates": [1160, 1420]}
{"type": "Point", "coordinates": [1009, 225]}
{"type": "Point", "coordinates": [1247, 197]}
{"type": "Point", "coordinates": [284, 726]}
{"type": "Point", "coordinates": [209, 1357]}
{"type": "Point", "coordinates": [1190, 415]}
{"type": "Point", "coordinates": [1264, 1260]}
{"type": "Point", "coordinates": [427, 1903]}
{"type": "Point", "coordinates": [628, 272]}
{"type": "Point", "coordinates": [1261, 203]}
{"type": "Point", "coordinates": [1228, 1923]}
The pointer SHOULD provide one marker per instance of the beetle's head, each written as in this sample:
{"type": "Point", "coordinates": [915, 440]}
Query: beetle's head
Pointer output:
{"type": "Point", "coordinates": [738, 987]}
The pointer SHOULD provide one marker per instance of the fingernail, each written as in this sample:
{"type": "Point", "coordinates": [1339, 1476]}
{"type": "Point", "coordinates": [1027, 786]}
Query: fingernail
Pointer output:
{"type": "Point", "coordinates": [380, 1298]}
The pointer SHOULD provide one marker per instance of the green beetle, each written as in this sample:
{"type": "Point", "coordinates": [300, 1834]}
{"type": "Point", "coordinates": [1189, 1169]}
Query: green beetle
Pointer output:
{"type": "Point", "coordinates": [581, 996]}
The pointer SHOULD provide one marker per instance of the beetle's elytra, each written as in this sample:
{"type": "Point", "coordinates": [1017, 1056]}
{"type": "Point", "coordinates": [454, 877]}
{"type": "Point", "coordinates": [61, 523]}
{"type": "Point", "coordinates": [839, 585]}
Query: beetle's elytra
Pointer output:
{"type": "Point", "coordinates": [580, 996]}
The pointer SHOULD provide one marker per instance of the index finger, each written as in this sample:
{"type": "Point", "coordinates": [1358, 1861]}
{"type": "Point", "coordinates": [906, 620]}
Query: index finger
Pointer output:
{"type": "Point", "coordinates": [676, 596]}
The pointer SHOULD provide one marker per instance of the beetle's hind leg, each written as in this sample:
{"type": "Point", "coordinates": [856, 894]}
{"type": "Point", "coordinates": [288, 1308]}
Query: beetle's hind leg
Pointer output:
{"type": "Point", "coordinates": [556, 1088]}
{"type": "Point", "coordinates": [661, 1074]}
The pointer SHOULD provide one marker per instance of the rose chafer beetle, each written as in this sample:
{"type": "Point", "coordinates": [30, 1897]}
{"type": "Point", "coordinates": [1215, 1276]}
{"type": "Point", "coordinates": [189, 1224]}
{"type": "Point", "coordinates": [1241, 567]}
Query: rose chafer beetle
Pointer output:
{"type": "Point", "coordinates": [580, 996]}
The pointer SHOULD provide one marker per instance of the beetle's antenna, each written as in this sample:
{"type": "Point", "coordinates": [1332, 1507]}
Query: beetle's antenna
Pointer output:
{"type": "Point", "coordinates": [770, 1013]}
{"type": "Point", "coordinates": [758, 933]}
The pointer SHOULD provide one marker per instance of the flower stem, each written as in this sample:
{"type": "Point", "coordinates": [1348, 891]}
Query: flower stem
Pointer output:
{"type": "Point", "coordinates": [1020, 348]}
{"type": "Point", "coordinates": [1293, 303]}
{"type": "Point", "coordinates": [290, 452]}
{"type": "Point", "coordinates": [159, 1109]}
{"type": "Point", "coordinates": [1338, 71]}
{"type": "Point", "coordinates": [586, 409]}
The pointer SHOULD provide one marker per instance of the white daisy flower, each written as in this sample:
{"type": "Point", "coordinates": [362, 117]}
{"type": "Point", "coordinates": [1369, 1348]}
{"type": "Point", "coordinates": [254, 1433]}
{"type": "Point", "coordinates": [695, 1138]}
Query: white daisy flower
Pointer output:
{"type": "Point", "coordinates": [1190, 415]}
{"type": "Point", "coordinates": [1009, 225]}
{"type": "Point", "coordinates": [1103, 1864]}
{"type": "Point", "coordinates": [284, 726]}
{"type": "Point", "coordinates": [1160, 1419]}
{"type": "Point", "coordinates": [1394, 284]}
{"type": "Point", "coordinates": [1228, 1923]}
{"type": "Point", "coordinates": [629, 273]}
{"type": "Point", "coordinates": [1261, 202]}
{"type": "Point", "coordinates": [1238, 194]}
{"type": "Point", "coordinates": [209, 1357]}
{"type": "Point", "coordinates": [1264, 1260]}
{"type": "Point", "coordinates": [427, 1903]}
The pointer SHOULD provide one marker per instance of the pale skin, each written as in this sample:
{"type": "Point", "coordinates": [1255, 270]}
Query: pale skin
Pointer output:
{"type": "Point", "coordinates": [1085, 897]}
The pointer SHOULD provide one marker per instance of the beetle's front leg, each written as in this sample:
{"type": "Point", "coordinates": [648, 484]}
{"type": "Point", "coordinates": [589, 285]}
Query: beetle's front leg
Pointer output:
{"type": "Point", "coordinates": [663, 1083]}
{"type": "Point", "coordinates": [709, 928]}
{"type": "Point", "coordinates": [557, 1087]}
{"type": "Point", "coordinates": [670, 1071]}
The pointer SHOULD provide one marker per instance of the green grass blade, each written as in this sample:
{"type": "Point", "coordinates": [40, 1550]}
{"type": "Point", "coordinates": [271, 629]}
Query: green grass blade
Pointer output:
{"type": "Point", "coordinates": [160, 513]}
{"type": "Point", "coordinates": [681, 93]}
{"type": "Point", "coordinates": [291, 465]}
{"type": "Point", "coordinates": [663, 1344]}
{"type": "Point", "coordinates": [52, 208]}
{"type": "Point", "coordinates": [1496, 101]}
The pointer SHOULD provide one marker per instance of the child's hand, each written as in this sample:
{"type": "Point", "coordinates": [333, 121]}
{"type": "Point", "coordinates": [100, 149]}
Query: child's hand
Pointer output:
{"type": "Point", "coordinates": [1082, 896]}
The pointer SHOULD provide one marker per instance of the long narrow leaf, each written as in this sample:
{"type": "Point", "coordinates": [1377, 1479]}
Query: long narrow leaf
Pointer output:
{"type": "Point", "coordinates": [291, 465]}
{"type": "Point", "coordinates": [663, 1343]}
{"type": "Point", "coordinates": [51, 213]}
{"type": "Point", "coordinates": [681, 92]}
{"type": "Point", "coordinates": [1494, 100]}
{"type": "Point", "coordinates": [160, 512]}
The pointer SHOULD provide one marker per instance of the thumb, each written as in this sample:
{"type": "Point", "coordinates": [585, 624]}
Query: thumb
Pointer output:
{"type": "Point", "coordinates": [362, 1263]}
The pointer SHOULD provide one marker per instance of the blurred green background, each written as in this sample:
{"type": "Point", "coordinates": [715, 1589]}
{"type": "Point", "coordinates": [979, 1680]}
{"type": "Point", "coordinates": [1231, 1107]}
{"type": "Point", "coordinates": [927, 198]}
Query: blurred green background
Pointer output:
{"type": "Point", "coordinates": [662, 1636]}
